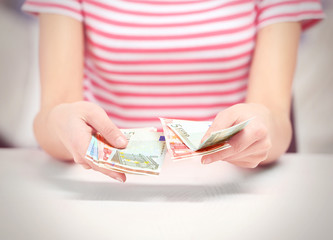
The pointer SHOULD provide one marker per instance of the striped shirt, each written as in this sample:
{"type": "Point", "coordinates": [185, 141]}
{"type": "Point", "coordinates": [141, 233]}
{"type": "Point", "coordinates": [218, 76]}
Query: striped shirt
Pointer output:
{"type": "Point", "coordinates": [186, 59]}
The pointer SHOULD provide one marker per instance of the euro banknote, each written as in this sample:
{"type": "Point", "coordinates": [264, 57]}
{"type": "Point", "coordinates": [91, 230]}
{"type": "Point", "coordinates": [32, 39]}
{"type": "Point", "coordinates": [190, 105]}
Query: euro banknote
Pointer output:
{"type": "Point", "coordinates": [144, 153]}
{"type": "Point", "coordinates": [184, 138]}
{"type": "Point", "coordinates": [146, 147]}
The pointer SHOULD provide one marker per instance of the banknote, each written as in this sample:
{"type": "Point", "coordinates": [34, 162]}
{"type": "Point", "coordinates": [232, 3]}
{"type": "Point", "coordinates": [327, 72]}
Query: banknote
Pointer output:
{"type": "Point", "coordinates": [105, 151]}
{"type": "Point", "coordinates": [92, 152]}
{"type": "Point", "coordinates": [184, 138]}
{"type": "Point", "coordinates": [192, 132]}
{"type": "Point", "coordinates": [144, 153]}
{"type": "Point", "coordinates": [224, 134]}
{"type": "Point", "coordinates": [178, 150]}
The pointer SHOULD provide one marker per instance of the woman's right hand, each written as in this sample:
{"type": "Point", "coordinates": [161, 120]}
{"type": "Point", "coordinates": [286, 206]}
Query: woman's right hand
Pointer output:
{"type": "Point", "coordinates": [74, 124]}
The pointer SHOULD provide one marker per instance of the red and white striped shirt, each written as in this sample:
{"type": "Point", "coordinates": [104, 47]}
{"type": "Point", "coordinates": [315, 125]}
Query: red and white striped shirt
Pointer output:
{"type": "Point", "coordinates": [185, 59]}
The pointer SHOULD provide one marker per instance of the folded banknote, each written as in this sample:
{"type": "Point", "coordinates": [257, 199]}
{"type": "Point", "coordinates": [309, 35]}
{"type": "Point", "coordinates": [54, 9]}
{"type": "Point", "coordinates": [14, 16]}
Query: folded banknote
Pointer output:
{"type": "Point", "coordinates": [184, 138]}
{"type": "Point", "coordinates": [144, 153]}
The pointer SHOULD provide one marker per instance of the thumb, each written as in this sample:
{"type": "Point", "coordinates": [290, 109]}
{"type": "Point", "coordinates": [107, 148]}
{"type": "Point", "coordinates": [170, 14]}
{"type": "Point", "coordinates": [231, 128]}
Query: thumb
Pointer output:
{"type": "Point", "coordinates": [100, 121]}
{"type": "Point", "coordinates": [221, 121]}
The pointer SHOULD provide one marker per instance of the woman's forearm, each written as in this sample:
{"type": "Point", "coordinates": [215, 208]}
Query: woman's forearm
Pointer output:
{"type": "Point", "coordinates": [271, 77]}
{"type": "Point", "coordinates": [61, 76]}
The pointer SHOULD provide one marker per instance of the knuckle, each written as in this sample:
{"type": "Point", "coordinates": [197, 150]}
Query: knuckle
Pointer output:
{"type": "Point", "coordinates": [267, 144]}
{"type": "Point", "coordinates": [255, 160]}
{"type": "Point", "coordinates": [78, 159]}
{"type": "Point", "coordinates": [248, 164]}
{"type": "Point", "coordinates": [92, 111]}
{"type": "Point", "coordinates": [260, 132]}
{"type": "Point", "coordinates": [86, 105]}
{"type": "Point", "coordinates": [260, 158]}
{"type": "Point", "coordinates": [220, 115]}
{"type": "Point", "coordinates": [263, 156]}
{"type": "Point", "coordinates": [236, 148]}
{"type": "Point", "coordinates": [253, 164]}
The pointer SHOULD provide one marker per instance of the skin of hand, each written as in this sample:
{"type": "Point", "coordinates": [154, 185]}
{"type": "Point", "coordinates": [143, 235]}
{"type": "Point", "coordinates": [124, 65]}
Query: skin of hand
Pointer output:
{"type": "Point", "coordinates": [268, 100]}
{"type": "Point", "coordinates": [74, 124]}
{"type": "Point", "coordinates": [250, 146]}
{"type": "Point", "coordinates": [64, 125]}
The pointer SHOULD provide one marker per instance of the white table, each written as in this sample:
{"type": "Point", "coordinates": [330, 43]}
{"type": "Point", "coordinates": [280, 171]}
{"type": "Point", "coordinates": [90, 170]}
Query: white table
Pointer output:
{"type": "Point", "coordinates": [41, 198]}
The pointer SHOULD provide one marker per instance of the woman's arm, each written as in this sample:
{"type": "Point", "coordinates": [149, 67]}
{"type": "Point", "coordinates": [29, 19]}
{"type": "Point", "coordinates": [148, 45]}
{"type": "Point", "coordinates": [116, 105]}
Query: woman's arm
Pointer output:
{"type": "Point", "coordinates": [271, 77]}
{"type": "Point", "coordinates": [61, 75]}
{"type": "Point", "coordinates": [64, 125]}
{"type": "Point", "coordinates": [268, 100]}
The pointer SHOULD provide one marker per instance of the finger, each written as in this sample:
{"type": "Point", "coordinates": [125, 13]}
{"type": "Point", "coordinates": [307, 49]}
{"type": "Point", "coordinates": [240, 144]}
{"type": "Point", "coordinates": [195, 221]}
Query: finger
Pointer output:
{"type": "Point", "coordinates": [224, 119]}
{"type": "Point", "coordinates": [254, 158]}
{"type": "Point", "coordinates": [238, 145]}
{"type": "Point", "coordinates": [121, 177]}
{"type": "Point", "coordinates": [100, 121]}
{"type": "Point", "coordinates": [244, 164]}
{"type": "Point", "coordinates": [261, 146]}
{"type": "Point", "coordinates": [249, 161]}
{"type": "Point", "coordinates": [208, 159]}
{"type": "Point", "coordinates": [257, 150]}
{"type": "Point", "coordinates": [258, 147]}
{"type": "Point", "coordinates": [254, 135]}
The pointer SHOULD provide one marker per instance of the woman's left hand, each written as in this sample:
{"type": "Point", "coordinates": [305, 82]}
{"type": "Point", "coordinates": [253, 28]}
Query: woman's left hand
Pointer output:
{"type": "Point", "coordinates": [250, 146]}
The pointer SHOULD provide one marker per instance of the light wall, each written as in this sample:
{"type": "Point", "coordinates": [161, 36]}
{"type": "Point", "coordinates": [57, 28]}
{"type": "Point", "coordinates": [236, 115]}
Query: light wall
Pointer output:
{"type": "Point", "coordinates": [313, 87]}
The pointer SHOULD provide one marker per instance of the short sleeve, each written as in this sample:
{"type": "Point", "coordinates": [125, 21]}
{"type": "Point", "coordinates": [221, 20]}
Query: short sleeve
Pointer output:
{"type": "Point", "coordinates": [307, 12]}
{"type": "Point", "coordinates": [70, 8]}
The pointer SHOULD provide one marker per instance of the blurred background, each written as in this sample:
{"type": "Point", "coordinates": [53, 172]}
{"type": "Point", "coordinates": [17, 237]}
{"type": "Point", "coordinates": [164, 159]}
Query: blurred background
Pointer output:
{"type": "Point", "coordinates": [19, 91]}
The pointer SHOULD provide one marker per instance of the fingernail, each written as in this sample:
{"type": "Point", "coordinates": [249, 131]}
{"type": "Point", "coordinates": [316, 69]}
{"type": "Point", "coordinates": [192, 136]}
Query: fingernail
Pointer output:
{"type": "Point", "coordinates": [119, 179]}
{"type": "Point", "coordinates": [121, 141]}
{"type": "Point", "coordinates": [207, 161]}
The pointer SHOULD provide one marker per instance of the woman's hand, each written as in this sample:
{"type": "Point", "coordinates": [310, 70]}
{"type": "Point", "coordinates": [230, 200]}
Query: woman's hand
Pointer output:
{"type": "Point", "coordinates": [64, 124]}
{"type": "Point", "coordinates": [253, 144]}
{"type": "Point", "coordinates": [74, 124]}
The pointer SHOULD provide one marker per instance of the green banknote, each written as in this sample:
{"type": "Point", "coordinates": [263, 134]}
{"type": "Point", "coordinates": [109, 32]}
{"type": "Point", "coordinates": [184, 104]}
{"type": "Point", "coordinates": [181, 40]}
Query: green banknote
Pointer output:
{"type": "Point", "coordinates": [192, 132]}
{"type": "Point", "coordinates": [144, 153]}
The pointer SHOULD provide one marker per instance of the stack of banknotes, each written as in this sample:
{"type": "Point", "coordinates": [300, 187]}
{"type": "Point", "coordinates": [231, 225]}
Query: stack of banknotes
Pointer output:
{"type": "Point", "coordinates": [146, 147]}
{"type": "Point", "coordinates": [144, 153]}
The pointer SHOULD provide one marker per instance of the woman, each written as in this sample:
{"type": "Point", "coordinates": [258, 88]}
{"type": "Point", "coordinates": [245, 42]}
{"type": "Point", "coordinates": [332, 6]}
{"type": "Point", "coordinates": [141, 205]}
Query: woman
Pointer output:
{"type": "Point", "coordinates": [106, 65]}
